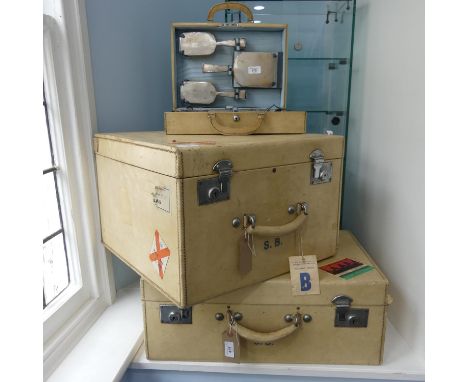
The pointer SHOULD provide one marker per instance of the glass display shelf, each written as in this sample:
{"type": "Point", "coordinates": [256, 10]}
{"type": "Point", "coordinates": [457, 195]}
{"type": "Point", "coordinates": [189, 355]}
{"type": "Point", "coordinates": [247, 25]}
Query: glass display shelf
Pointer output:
{"type": "Point", "coordinates": [317, 58]}
{"type": "Point", "coordinates": [320, 41]}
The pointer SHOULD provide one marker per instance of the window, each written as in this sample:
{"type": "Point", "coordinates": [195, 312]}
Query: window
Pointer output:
{"type": "Point", "coordinates": [56, 272]}
{"type": "Point", "coordinates": [63, 250]}
{"type": "Point", "coordinates": [77, 276]}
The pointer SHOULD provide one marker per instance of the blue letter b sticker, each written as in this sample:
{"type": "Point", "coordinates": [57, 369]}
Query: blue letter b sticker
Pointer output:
{"type": "Point", "coordinates": [305, 281]}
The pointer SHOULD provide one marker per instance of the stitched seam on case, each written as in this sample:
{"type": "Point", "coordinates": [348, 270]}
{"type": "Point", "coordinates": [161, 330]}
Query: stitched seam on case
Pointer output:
{"type": "Point", "coordinates": [382, 333]}
{"type": "Point", "coordinates": [136, 143]}
{"type": "Point", "coordinates": [145, 319]}
{"type": "Point", "coordinates": [135, 166]}
{"type": "Point", "coordinates": [181, 233]}
{"type": "Point", "coordinates": [339, 208]}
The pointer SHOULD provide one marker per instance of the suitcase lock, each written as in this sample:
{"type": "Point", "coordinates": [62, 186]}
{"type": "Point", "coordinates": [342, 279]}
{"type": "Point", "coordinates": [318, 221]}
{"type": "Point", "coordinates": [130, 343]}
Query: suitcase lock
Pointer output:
{"type": "Point", "coordinates": [214, 190]}
{"type": "Point", "coordinates": [172, 314]}
{"type": "Point", "coordinates": [347, 317]}
{"type": "Point", "coordinates": [321, 169]}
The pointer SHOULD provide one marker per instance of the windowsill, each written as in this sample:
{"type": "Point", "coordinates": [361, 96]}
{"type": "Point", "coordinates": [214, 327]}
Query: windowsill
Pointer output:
{"type": "Point", "coordinates": [399, 364]}
{"type": "Point", "coordinates": [107, 349]}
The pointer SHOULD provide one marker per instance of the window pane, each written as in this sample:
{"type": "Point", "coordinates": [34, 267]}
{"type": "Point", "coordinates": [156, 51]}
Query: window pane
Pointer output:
{"type": "Point", "coordinates": [50, 207]}
{"type": "Point", "coordinates": [46, 157]}
{"type": "Point", "coordinates": [55, 268]}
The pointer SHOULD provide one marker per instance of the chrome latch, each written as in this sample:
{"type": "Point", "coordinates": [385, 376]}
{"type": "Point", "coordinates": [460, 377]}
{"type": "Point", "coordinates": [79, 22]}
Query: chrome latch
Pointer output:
{"type": "Point", "coordinates": [347, 317]}
{"type": "Point", "coordinates": [249, 220]}
{"type": "Point", "coordinates": [304, 207]}
{"type": "Point", "coordinates": [213, 190]}
{"type": "Point", "coordinates": [172, 314]}
{"type": "Point", "coordinates": [321, 169]}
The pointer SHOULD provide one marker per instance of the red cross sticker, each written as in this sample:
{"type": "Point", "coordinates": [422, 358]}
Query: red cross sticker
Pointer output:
{"type": "Point", "coordinates": [159, 255]}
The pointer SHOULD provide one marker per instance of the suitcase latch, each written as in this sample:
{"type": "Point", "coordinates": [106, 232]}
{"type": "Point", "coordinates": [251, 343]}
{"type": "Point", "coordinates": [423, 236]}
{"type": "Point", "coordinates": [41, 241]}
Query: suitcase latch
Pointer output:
{"type": "Point", "coordinates": [214, 190]}
{"type": "Point", "coordinates": [172, 314]}
{"type": "Point", "coordinates": [321, 169]}
{"type": "Point", "coordinates": [347, 317]}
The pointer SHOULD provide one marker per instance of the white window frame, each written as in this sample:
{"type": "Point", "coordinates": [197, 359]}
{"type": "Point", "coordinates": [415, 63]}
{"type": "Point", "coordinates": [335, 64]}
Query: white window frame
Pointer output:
{"type": "Point", "coordinates": [70, 96]}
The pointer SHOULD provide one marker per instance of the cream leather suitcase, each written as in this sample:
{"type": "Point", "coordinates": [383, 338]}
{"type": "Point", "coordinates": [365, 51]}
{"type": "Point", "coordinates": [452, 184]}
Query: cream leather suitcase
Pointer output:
{"type": "Point", "coordinates": [230, 78]}
{"type": "Point", "coordinates": [199, 216]}
{"type": "Point", "coordinates": [344, 324]}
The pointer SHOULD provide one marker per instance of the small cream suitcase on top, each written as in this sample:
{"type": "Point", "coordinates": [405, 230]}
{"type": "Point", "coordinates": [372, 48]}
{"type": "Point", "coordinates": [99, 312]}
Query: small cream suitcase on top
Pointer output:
{"type": "Point", "coordinates": [199, 216]}
{"type": "Point", "coordinates": [230, 78]}
{"type": "Point", "coordinates": [344, 324]}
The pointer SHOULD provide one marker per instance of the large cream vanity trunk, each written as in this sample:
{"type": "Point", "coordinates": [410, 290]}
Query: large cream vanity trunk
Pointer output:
{"type": "Point", "coordinates": [179, 209]}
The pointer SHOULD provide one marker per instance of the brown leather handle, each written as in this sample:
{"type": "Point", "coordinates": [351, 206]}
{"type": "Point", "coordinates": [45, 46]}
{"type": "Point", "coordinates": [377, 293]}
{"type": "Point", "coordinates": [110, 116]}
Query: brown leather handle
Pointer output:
{"type": "Point", "coordinates": [279, 230]}
{"type": "Point", "coordinates": [253, 335]}
{"type": "Point", "coordinates": [223, 6]}
{"type": "Point", "coordinates": [232, 123]}
{"type": "Point", "coordinates": [262, 337]}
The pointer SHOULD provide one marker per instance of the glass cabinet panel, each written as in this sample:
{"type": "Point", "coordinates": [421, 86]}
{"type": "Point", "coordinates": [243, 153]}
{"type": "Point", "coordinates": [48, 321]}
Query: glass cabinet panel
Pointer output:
{"type": "Point", "coordinates": [320, 39]}
{"type": "Point", "coordinates": [317, 85]}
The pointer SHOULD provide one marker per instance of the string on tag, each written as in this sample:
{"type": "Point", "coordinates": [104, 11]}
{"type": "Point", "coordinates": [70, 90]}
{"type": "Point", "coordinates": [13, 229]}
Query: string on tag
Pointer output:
{"type": "Point", "coordinates": [251, 244]}
{"type": "Point", "coordinates": [250, 241]}
{"type": "Point", "coordinates": [230, 340]}
{"type": "Point", "coordinates": [299, 240]}
{"type": "Point", "coordinates": [231, 322]}
{"type": "Point", "coordinates": [232, 326]}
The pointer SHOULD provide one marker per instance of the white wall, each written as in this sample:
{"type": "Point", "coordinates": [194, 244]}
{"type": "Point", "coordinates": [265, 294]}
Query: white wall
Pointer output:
{"type": "Point", "coordinates": [384, 181]}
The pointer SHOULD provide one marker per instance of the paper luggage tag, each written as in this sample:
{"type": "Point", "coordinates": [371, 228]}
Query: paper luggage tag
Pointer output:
{"type": "Point", "coordinates": [231, 348]}
{"type": "Point", "coordinates": [246, 251]}
{"type": "Point", "coordinates": [304, 275]}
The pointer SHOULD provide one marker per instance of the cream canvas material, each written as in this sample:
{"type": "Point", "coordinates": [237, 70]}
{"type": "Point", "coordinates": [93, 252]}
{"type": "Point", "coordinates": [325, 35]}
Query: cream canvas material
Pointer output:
{"type": "Point", "coordinates": [152, 220]}
{"type": "Point", "coordinates": [225, 122]}
{"type": "Point", "coordinates": [263, 307]}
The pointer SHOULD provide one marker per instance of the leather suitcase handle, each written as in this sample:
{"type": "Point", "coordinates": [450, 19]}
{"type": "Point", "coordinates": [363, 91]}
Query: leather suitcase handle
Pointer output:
{"type": "Point", "coordinates": [227, 124]}
{"type": "Point", "coordinates": [279, 230]}
{"type": "Point", "coordinates": [223, 6]}
{"type": "Point", "coordinates": [255, 336]}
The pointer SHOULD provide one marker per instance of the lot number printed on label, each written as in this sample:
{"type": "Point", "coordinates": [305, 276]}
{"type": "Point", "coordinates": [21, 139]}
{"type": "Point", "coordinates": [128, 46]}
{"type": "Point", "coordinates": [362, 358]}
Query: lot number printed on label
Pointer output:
{"type": "Point", "coordinates": [304, 275]}
{"type": "Point", "coordinates": [229, 349]}
{"type": "Point", "coordinates": [254, 70]}
{"type": "Point", "coordinates": [231, 346]}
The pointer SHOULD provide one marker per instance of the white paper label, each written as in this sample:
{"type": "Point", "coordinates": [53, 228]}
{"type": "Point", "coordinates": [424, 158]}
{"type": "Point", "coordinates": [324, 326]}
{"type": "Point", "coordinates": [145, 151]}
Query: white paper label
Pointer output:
{"type": "Point", "coordinates": [229, 349]}
{"type": "Point", "coordinates": [254, 70]}
{"type": "Point", "coordinates": [162, 198]}
{"type": "Point", "coordinates": [304, 275]}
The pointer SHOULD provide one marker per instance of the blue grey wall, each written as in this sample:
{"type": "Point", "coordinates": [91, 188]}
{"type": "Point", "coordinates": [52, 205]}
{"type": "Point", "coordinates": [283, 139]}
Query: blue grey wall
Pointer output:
{"type": "Point", "coordinates": [130, 57]}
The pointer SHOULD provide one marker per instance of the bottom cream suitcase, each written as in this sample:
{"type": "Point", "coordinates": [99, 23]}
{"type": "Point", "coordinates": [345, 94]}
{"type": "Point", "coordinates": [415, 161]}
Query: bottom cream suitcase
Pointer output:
{"type": "Point", "coordinates": [344, 324]}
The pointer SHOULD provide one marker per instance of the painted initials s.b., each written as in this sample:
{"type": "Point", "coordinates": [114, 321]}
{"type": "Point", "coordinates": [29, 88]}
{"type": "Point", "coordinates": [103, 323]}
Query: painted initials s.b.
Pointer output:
{"type": "Point", "coordinates": [305, 281]}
